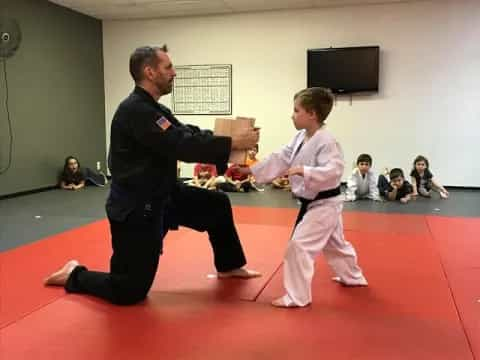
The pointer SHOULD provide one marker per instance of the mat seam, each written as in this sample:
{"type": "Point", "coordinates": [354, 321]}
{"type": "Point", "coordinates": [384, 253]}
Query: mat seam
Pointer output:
{"type": "Point", "coordinates": [31, 312]}
{"type": "Point", "coordinates": [451, 292]}
{"type": "Point", "coordinates": [269, 280]}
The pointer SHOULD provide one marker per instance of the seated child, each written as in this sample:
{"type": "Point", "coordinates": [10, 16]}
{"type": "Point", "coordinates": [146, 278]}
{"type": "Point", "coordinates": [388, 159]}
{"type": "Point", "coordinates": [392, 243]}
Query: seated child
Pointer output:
{"type": "Point", "coordinates": [422, 179]}
{"type": "Point", "coordinates": [362, 183]}
{"type": "Point", "coordinates": [236, 181]}
{"type": "Point", "coordinates": [72, 178]}
{"type": "Point", "coordinates": [252, 156]}
{"type": "Point", "coordinates": [204, 176]}
{"type": "Point", "coordinates": [395, 189]}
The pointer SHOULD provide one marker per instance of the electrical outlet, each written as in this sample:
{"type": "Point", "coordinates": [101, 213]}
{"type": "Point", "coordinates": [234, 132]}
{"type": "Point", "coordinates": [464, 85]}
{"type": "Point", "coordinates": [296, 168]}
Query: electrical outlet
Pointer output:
{"type": "Point", "coordinates": [99, 166]}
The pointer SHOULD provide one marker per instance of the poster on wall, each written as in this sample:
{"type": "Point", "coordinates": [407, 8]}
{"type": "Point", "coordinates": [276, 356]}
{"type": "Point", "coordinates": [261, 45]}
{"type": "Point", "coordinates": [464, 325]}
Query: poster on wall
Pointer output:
{"type": "Point", "coordinates": [202, 90]}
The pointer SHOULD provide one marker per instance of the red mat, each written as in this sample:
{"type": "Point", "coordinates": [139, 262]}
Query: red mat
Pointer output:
{"type": "Point", "coordinates": [23, 269]}
{"type": "Point", "coordinates": [385, 223]}
{"type": "Point", "coordinates": [466, 288]}
{"type": "Point", "coordinates": [184, 267]}
{"type": "Point", "coordinates": [265, 216]}
{"type": "Point", "coordinates": [407, 312]}
{"type": "Point", "coordinates": [187, 263]}
{"type": "Point", "coordinates": [182, 327]}
{"type": "Point", "coordinates": [458, 240]}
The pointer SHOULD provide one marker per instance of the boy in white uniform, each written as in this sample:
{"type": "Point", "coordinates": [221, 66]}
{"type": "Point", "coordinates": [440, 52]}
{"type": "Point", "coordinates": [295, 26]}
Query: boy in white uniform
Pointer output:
{"type": "Point", "coordinates": [314, 163]}
{"type": "Point", "coordinates": [362, 184]}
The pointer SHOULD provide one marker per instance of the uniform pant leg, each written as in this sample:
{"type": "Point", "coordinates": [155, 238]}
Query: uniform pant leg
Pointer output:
{"type": "Point", "coordinates": [205, 210]}
{"type": "Point", "coordinates": [308, 240]}
{"type": "Point", "coordinates": [137, 244]}
{"type": "Point", "coordinates": [341, 255]}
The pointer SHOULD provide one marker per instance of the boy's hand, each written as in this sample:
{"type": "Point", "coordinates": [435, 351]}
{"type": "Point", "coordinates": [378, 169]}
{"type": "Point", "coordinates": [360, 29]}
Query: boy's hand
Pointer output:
{"type": "Point", "coordinates": [405, 199]}
{"type": "Point", "coordinates": [295, 171]}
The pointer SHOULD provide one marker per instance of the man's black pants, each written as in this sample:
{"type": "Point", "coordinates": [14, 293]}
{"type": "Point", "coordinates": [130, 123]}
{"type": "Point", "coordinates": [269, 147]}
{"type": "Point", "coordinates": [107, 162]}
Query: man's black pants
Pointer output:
{"type": "Point", "coordinates": [137, 244]}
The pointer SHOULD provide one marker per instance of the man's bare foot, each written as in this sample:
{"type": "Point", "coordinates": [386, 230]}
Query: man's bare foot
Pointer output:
{"type": "Point", "coordinates": [362, 282]}
{"type": "Point", "coordinates": [243, 273]}
{"type": "Point", "coordinates": [60, 277]}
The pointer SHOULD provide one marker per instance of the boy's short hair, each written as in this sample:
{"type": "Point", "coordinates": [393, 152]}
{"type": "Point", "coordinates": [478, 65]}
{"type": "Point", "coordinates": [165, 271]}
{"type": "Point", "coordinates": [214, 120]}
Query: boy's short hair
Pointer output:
{"type": "Point", "coordinates": [316, 99]}
{"type": "Point", "coordinates": [364, 158]}
{"type": "Point", "coordinates": [395, 173]}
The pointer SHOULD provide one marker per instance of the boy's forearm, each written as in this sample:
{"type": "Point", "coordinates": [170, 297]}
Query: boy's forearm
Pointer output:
{"type": "Point", "coordinates": [210, 182]}
{"type": "Point", "coordinates": [230, 180]}
{"type": "Point", "coordinates": [392, 195]}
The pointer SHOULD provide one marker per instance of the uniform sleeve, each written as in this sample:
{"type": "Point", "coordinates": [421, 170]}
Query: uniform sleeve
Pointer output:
{"type": "Point", "coordinates": [327, 174]}
{"type": "Point", "coordinates": [373, 192]}
{"type": "Point", "coordinates": [213, 170]}
{"type": "Point", "coordinates": [274, 165]}
{"type": "Point", "coordinates": [183, 143]}
{"type": "Point", "coordinates": [351, 187]}
{"type": "Point", "coordinates": [229, 171]}
{"type": "Point", "coordinates": [196, 169]}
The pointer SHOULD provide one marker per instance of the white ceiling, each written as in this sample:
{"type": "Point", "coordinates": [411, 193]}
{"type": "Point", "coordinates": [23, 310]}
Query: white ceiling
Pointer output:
{"type": "Point", "coordinates": [148, 9]}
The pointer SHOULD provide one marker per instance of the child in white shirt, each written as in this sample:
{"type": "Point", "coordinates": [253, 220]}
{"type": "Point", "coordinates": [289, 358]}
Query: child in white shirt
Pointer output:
{"type": "Point", "coordinates": [362, 184]}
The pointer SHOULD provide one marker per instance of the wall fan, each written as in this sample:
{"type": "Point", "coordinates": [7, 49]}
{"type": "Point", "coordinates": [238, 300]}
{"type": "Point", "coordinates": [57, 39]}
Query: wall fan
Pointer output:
{"type": "Point", "coordinates": [10, 37]}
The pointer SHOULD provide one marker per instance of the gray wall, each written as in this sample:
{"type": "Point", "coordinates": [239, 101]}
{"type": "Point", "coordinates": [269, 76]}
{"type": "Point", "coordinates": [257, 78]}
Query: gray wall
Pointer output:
{"type": "Point", "coordinates": [56, 92]}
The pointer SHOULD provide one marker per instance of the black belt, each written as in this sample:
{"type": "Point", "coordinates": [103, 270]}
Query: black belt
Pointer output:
{"type": "Point", "coordinates": [321, 195]}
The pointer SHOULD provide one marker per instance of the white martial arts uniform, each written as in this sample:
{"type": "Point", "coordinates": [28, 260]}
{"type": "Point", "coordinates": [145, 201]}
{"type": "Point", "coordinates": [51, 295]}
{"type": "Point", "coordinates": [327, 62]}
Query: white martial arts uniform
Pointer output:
{"type": "Point", "coordinates": [359, 187]}
{"type": "Point", "coordinates": [321, 228]}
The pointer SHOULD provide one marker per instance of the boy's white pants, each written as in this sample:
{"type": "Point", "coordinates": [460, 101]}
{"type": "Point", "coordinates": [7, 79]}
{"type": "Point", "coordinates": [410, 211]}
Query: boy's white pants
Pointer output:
{"type": "Point", "coordinates": [321, 229]}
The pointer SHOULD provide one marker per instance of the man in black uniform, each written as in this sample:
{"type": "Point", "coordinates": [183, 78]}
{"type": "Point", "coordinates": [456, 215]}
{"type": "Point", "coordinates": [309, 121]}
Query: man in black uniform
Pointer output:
{"type": "Point", "coordinates": [146, 200]}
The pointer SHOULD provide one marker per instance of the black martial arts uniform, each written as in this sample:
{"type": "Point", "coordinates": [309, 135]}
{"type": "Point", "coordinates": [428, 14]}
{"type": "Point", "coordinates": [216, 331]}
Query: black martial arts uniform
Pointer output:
{"type": "Point", "coordinates": [146, 200]}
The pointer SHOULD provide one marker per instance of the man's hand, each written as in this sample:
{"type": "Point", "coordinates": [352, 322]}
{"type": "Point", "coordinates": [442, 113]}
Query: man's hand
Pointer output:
{"type": "Point", "coordinates": [295, 171]}
{"type": "Point", "coordinates": [246, 139]}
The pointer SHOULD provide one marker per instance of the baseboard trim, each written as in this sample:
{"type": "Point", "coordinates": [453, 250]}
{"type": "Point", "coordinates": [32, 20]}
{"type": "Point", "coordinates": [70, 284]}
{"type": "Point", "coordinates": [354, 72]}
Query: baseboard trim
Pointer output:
{"type": "Point", "coordinates": [28, 192]}
{"type": "Point", "coordinates": [47, 188]}
{"type": "Point", "coordinates": [462, 187]}
{"type": "Point", "coordinates": [344, 183]}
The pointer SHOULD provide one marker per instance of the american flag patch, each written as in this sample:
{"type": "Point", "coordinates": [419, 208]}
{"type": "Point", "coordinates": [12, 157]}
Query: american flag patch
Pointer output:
{"type": "Point", "coordinates": [163, 123]}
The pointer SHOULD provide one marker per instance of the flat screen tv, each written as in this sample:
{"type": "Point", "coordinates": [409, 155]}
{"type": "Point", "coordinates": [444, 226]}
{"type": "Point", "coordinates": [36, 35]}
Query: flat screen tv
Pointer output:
{"type": "Point", "coordinates": [344, 70]}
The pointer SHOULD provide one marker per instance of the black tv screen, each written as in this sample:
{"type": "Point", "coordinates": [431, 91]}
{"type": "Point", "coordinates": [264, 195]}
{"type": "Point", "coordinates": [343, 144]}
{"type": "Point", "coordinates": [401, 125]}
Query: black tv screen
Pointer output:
{"type": "Point", "coordinates": [344, 70]}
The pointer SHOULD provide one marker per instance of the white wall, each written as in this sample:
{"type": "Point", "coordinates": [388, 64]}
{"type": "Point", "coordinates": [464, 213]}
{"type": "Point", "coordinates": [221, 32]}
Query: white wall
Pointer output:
{"type": "Point", "coordinates": [429, 99]}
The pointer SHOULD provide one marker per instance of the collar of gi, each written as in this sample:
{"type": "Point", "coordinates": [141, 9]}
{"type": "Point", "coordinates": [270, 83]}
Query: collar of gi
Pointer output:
{"type": "Point", "coordinates": [144, 94]}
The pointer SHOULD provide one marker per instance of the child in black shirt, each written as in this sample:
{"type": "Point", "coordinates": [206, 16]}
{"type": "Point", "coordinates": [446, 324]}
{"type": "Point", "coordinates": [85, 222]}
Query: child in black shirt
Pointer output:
{"type": "Point", "coordinates": [395, 189]}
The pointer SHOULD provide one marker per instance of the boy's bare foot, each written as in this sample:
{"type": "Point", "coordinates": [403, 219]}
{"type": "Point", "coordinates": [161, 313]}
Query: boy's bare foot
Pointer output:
{"type": "Point", "coordinates": [60, 277]}
{"type": "Point", "coordinates": [284, 302]}
{"type": "Point", "coordinates": [362, 282]}
{"type": "Point", "coordinates": [243, 273]}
